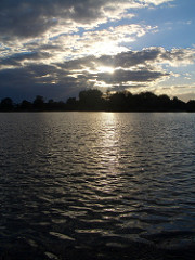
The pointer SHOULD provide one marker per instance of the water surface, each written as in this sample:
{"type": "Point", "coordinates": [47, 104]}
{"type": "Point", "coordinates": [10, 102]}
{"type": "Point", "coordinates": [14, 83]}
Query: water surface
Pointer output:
{"type": "Point", "coordinates": [97, 185]}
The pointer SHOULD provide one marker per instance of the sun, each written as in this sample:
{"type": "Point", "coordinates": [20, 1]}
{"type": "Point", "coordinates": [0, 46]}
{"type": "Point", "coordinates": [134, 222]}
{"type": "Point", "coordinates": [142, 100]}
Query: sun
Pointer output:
{"type": "Point", "coordinates": [104, 69]}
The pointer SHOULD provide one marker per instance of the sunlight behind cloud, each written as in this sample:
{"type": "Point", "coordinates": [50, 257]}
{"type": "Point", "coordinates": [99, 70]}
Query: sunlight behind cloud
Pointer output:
{"type": "Point", "coordinates": [104, 69]}
{"type": "Point", "coordinates": [108, 43]}
{"type": "Point", "coordinates": [107, 47]}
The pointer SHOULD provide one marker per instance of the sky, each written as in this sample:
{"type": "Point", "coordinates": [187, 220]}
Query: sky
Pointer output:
{"type": "Point", "coordinates": [56, 48]}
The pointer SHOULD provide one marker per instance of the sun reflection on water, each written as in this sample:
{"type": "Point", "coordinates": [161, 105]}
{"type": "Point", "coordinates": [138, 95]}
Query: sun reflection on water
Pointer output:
{"type": "Point", "coordinates": [79, 181]}
{"type": "Point", "coordinates": [109, 144]}
{"type": "Point", "coordinates": [108, 166]}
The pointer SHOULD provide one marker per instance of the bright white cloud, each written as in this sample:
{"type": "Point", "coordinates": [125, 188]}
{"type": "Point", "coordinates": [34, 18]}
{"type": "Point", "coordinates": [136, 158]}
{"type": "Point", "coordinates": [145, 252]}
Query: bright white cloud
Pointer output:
{"type": "Point", "coordinates": [156, 2]}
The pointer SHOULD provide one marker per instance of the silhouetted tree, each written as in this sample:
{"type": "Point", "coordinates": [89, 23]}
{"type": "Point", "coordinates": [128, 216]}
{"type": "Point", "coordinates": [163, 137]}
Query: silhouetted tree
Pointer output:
{"type": "Point", "coordinates": [190, 106]}
{"type": "Point", "coordinates": [26, 105]}
{"type": "Point", "coordinates": [164, 102]}
{"type": "Point", "coordinates": [39, 103]}
{"type": "Point", "coordinates": [90, 99]}
{"type": "Point", "coordinates": [54, 106]}
{"type": "Point", "coordinates": [175, 98]}
{"type": "Point", "coordinates": [148, 100]}
{"type": "Point", "coordinates": [177, 104]}
{"type": "Point", "coordinates": [50, 101]}
{"type": "Point", "coordinates": [7, 104]}
{"type": "Point", "coordinates": [165, 99]}
{"type": "Point", "coordinates": [94, 99]}
{"type": "Point", "coordinates": [71, 103]}
{"type": "Point", "coordinates": [119, 101]}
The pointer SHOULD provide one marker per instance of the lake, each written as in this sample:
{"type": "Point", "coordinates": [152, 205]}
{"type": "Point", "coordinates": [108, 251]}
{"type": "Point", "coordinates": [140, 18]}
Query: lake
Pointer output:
{"type": "Point", "coordinates": [97, 186]}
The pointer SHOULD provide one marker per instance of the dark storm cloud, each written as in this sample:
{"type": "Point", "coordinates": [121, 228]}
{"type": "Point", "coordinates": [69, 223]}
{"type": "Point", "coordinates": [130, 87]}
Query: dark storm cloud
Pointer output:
{"type": "Point", "coordinates": [25, 75]}
{"type": "Point", "coordinates": [17, 59]}
{"type": "Point", "coordinates": [130, 59]}
{"type": "Point", "coordinates": [85, 62]}
{"type": "Point", "coordinates": [27, 18]}
{"type": "Point", "coordinates": [134, 67]}
{"type": "Point", "coordinates": [147, 56]}
{"type": "Point", "coordinates": [126, 60]}
{"type": "Point", "coordinates": [47, 80]}
{"type": "Point", "coordinates": [128, 75]}
{"type": "Point", "coordinates": [32, 74]}
{"type": "Point", "coordinates": [124, 76]}
{"type": "Point", "coordinates": [23, 19]}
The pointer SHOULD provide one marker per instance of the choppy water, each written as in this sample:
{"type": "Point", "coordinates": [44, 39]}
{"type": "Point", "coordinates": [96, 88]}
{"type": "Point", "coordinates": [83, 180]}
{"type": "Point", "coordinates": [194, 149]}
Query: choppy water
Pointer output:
{"type": "Point", "coordinates": [96, 184]}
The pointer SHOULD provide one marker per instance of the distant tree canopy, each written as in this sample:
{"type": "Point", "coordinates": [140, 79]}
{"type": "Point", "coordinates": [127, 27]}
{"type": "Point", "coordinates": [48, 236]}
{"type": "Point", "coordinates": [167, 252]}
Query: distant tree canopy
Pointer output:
{"type": "Point", "coordinates": [90, 99]}
{"type": "Point", "coordinates": [143, 101]}
{"type": "Point", "coordinates": [26, 105]}
{"type": "Point", "coordinates": [95, 100]}
{"type": "Point", "coordinates": [39, 102]}
{"type": "Point", "coordinates": [6, 104]}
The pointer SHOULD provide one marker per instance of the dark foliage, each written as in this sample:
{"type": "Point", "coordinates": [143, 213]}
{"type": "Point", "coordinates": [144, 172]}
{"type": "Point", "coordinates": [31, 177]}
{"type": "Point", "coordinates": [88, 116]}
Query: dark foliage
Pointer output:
{"type": "Point", "coordinates": [6, 104]}
{"type": "Point", "coordinates": [91, 100]}
{"type": "Point", "coordinates": [95, 100]}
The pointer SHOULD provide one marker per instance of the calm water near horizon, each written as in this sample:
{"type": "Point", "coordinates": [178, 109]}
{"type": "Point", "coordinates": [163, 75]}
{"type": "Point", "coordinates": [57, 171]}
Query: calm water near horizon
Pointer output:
{"type": "Point", "coordinates": [96, 185]}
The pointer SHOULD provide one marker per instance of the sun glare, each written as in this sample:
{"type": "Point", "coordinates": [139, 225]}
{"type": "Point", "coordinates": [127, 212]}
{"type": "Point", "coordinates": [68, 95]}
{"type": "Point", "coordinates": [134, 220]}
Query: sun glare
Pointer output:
{"type": "Point", "coordinates": [104, 69]}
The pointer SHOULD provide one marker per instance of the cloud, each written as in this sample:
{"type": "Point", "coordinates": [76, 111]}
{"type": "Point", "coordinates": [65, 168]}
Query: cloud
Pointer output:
{"type": "Point", "coordinates": [26, 82]}
{"type": "Point", "coordinates": [177, 57]}
{"type": "Point", "coordinates": [156, 2]}
{"type": "Point", "coordinates": [132, 68]}
{"type": "Point", "coordinates": [44, 27]}
{"type": "Point", "coordinates": [134, 59]}
{"type": "Point", "coordinates": [20, 58]}
{"type": "Point", "coordinates": [141, 66]}
{"type": "Point", "coordinates": [124, 76]}
{"type": "Point", "coordinates": [28, 19]}
{"type": "Point", "coordinates": [70, 44]}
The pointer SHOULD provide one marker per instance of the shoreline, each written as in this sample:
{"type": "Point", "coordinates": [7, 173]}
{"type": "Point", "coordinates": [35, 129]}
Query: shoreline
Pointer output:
{"type": "Point", "coordinates": [98, 111]}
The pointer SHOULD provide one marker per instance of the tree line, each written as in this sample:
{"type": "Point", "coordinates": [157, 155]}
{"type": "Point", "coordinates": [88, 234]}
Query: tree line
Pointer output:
{"type": "Point", "coordinates": [95, 100]}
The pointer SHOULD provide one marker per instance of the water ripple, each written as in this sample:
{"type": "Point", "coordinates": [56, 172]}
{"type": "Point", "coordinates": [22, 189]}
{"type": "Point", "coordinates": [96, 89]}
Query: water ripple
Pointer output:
{"type": "Point", "coordinates": [75, 180]}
